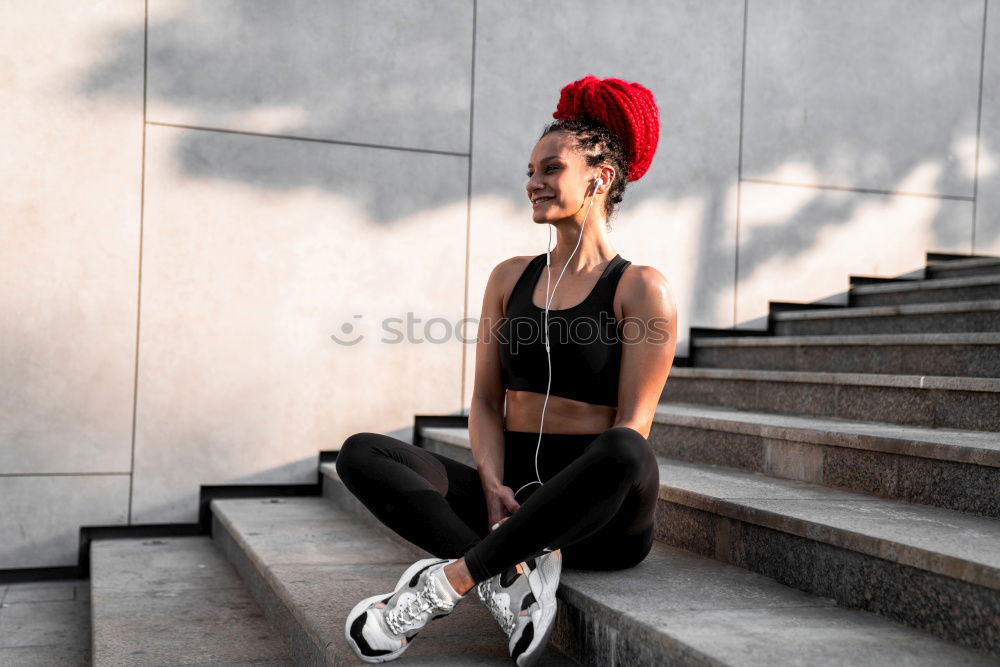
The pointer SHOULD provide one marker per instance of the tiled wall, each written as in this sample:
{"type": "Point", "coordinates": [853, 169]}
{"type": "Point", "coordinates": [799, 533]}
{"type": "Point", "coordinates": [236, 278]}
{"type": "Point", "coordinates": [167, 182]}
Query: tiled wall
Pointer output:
{"type": "Point", "coordinates": [197, 197]}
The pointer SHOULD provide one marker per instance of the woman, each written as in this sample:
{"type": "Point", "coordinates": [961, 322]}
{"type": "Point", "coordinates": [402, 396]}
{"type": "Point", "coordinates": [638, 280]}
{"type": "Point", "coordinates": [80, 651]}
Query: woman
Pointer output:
{"type": "Point", "coordinates": [565, 474]}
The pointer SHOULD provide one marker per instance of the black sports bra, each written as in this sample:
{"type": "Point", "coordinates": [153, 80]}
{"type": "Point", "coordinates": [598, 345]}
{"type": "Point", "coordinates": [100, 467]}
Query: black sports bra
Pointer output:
{"type": "Point", "coordinates": [583, 340]}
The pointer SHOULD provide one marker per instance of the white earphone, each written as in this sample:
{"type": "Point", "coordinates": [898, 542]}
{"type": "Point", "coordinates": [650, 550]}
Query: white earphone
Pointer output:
{"type": "Point", "coordinates": [598, 182]}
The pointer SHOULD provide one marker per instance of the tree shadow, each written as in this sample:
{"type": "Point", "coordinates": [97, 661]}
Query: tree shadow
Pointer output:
{"type": "Point", "coordinates": [265, 66]}
{"type": "Point", "coordinates": [269, 69]}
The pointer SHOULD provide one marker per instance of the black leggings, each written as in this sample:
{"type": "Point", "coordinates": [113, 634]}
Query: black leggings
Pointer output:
{"type": "Point", "coordinates": [596, 505]}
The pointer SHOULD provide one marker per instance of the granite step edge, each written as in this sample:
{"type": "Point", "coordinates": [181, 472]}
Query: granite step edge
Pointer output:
{"type": "Point", "coordinates": [854, 340]}
{"type": "Point", "coordinates": [969, 263]}
{"type": "Point", "coordinates": [955, 445]}
{"type": "Point", "coordinates": [903, 309]}
{"type": "Point", "coordinates": [945, 382]}
{"type": "Point", "coordinates": [926, 284]}
{"type": "Point", "coordinates": [873, 541]}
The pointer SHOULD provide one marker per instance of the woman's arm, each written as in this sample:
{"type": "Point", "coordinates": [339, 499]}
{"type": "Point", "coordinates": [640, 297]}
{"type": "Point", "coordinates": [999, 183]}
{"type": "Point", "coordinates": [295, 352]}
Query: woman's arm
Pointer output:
{"type": "Point", "coordinates": [649, 339]}
{"type": "Point", "coordinates": [488, 396]}
{"type": "Point", "coordinates": [486, 436]}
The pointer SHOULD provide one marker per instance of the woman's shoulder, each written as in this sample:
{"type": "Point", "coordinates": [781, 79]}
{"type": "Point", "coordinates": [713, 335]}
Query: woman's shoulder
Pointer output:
{"type": "Point", "coordinates": [510, 269]}
{"type": "Point", "coordinates": [504, 276]}
{"type": "Point", "coordinates": [518, 261]}
{"type": "Point", "coordinates": [645, 287]}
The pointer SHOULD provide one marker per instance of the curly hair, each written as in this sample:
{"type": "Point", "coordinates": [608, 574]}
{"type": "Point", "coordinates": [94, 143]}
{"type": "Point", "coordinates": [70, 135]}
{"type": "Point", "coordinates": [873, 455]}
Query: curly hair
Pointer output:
{"type": "Point", "coordinates": [599, 146]}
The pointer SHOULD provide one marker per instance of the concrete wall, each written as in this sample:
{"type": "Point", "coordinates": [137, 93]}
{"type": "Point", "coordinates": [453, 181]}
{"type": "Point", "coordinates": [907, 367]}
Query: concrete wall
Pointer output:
{"type": "Point", "coordinates": [198, 196]}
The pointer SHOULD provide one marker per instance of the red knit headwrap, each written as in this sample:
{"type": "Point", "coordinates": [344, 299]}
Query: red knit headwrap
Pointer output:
{"type": "Point", "coordinates": [627, 109]}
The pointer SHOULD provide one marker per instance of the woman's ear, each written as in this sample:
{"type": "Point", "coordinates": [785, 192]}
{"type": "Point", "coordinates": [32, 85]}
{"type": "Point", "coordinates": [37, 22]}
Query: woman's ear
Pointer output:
{"type": "Point", "coordinates": [608, 176]}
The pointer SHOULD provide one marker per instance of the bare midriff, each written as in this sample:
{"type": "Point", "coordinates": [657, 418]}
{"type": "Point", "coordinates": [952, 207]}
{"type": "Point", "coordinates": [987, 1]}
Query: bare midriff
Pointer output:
{"type": "Point", "coordinates": [562, 415]}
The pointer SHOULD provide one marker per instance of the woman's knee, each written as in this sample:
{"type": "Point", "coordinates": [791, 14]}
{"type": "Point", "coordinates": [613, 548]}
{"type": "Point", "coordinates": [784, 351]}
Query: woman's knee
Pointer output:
{"type": "Point", "coordinates": [624, 448]}
{"type": "Point", "coordinates": [353, 453]}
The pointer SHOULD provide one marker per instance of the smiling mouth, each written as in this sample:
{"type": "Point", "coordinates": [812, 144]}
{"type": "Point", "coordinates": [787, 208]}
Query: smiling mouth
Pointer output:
{"type": "Point", "coordinates": [541, 200]}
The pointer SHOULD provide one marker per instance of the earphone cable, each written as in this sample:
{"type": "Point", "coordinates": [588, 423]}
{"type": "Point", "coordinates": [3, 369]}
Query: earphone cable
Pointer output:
{"type": "Point", "coordinates": [548, 355]}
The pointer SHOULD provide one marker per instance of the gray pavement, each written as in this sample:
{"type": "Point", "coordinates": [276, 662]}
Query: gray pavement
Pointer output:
{"type": "Point", "coordinates": [45, 623]}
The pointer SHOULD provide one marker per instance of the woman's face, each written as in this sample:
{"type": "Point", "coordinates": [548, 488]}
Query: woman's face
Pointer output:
{"type": "Point", "coordinates": [558, 178]}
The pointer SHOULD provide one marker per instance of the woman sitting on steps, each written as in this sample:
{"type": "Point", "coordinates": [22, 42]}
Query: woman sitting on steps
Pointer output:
{"type": "Point", "coordinates": [562, 406]}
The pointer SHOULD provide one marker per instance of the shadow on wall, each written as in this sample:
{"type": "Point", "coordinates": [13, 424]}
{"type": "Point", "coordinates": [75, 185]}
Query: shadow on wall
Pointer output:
{"type": "Point", "coordinates": [301, 69]}
{"type": "Point", "coordinates": [182, 507]}
{"type": "Point", "coordinates": [269, 69]}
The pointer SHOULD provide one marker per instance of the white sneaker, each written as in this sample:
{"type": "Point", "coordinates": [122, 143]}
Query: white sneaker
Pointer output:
{"type": "Point", "coordinates": [381, 627]}
{"type": "Point", "coordinates": [523, 601]}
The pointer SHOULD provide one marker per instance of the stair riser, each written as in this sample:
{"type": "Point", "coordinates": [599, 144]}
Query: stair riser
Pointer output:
{"type": "Point", "coordinates": [966, 487]}
{"type": "Point", "coordinates": [891, 324]}
{"type": "Point", "coordinates": [953, 610]}
{"type": "Point", "coordinates": [971, 293]}
{"type": "Point", "coordinates": [944, 272]}
{"type": "Point", "coordinates": [303, 648]}
{"type": "Point", "coordinates": [933, 359]}
{"type": "Point", "coordinates": [942, 408]}
{"type": "Point", "coordinates": [586, 634]}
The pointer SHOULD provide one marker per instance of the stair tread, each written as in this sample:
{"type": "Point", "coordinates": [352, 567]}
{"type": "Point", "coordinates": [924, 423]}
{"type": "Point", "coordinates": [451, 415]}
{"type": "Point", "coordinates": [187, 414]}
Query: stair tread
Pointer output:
{"type": "Point", "coordinates": [947, 542]}
{"type": "Point", "coordinates": [178, 601]}
{"type": "Point", "coordinates": [971, 262]}
{"type": "Point", "coordinates": [979, 447]}
{"type": "Point", "coordinates": [926, 284]}
{"type": "Point", "coordinates": [977, 338]}
{"type": "Point", "coordinates": [827, 377]}
{"type": "Point", "coordinates": [847, 312]}
{"type": "Point", "coordinates": [321, 561]}
{"type": "Point", "coordinates": [703, 606]}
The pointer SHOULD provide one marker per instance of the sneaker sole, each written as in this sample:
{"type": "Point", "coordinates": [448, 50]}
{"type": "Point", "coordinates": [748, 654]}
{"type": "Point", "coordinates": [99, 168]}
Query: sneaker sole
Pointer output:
{"type": "Point", "coordinates": [363, 606]}
{"type": "Point", "coordinates": [544, 580]}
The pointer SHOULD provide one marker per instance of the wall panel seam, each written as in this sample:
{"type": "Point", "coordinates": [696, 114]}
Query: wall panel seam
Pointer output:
{"type": "Point", "coordinates": [62, 474]}
{"type": "Point", "coordinates": [292, 137]}
{"type": "Point", "coordinates": [979, 119]}
{"type": "Point", "coordinates": [142, 216]}
{"type": "Point", "coordinates": [850, 188]}
{"type": "Point", "coordinates": [468, 213]}
{"type": "Point", "coordinates": [739, 167]}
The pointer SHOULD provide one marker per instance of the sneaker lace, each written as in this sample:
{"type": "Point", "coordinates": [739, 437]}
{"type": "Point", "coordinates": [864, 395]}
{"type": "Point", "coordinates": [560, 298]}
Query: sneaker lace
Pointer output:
{"type": "Point", "coordinates": [404, 617]}
{"type": "Point", "coordinates": [500, 611]}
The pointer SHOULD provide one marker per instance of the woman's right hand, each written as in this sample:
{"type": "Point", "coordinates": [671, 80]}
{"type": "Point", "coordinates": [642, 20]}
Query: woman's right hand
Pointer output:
{"type": "Point", "coordinates": [499, 503]}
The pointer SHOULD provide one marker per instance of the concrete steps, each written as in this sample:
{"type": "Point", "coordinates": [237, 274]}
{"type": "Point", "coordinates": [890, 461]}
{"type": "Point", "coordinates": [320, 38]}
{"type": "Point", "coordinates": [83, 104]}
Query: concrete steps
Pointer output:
{"type": "Point", "coordinates": [948, 317]}
{"type": "Point", "coordinates": [936, 290]}
{"type": "Point", "coordinates": [174, 601]}
{"type": "Point", "coordinates": [308, 563]}
{"type": "Point", "coordinates": [952, 354]}
{"type": "Point", "coordinates": [934, 569]}
{"type": "Point", "coordinates": [680, 608]}
{"type": "Point", "coordinates": [949, 468]}
{"type": "Point", "coordinates": [916, 400]}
